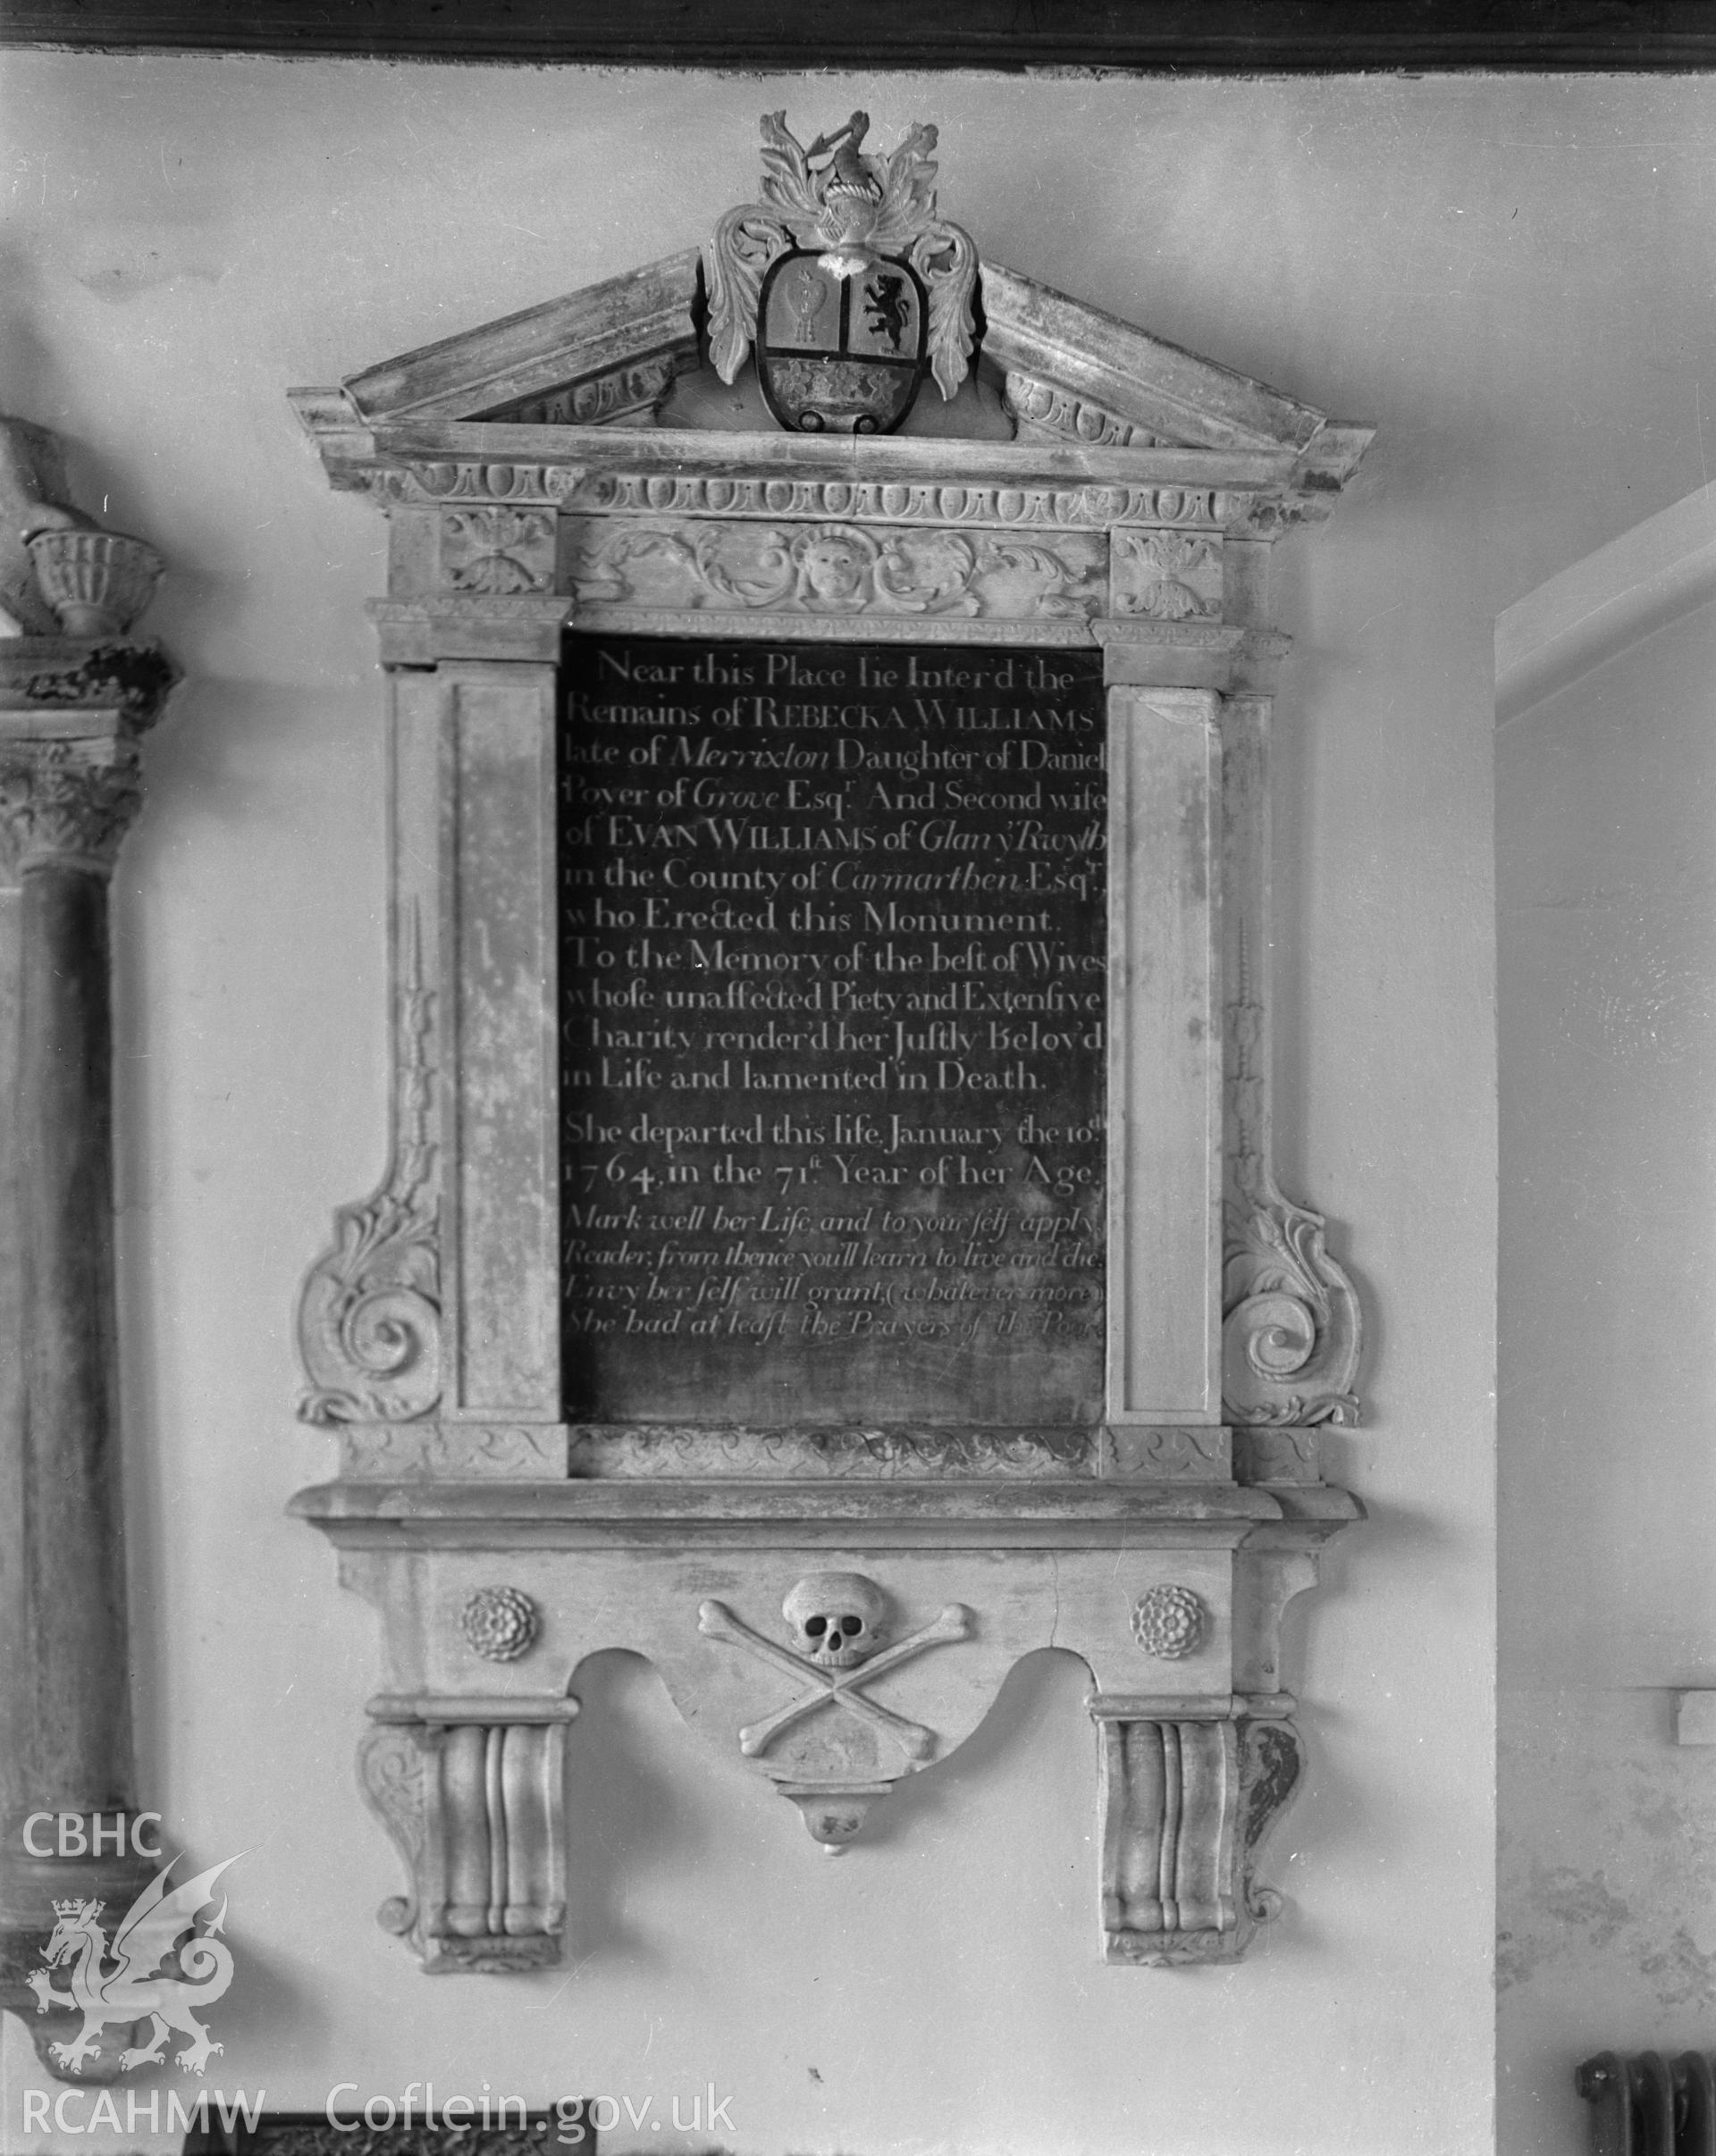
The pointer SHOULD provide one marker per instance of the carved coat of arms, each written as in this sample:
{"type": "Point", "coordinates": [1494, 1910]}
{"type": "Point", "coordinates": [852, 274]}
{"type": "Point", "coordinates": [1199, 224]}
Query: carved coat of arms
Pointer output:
{"type": "Point", "coordinates": [844, 278]}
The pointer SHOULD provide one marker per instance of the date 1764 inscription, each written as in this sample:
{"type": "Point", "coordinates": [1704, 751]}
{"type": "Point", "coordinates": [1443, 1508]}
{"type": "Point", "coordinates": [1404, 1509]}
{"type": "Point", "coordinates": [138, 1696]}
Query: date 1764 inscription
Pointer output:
{"type": "Point", "coordinates": [832, 1006]}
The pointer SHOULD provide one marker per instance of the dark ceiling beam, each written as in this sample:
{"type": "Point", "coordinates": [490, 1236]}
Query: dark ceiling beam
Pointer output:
{"type": "Point", "coordinates": [1153, 37]}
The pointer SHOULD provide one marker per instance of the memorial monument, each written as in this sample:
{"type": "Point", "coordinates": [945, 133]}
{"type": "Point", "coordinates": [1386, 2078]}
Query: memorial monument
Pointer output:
{"type": "Point", "coordinates": [830, 1242]}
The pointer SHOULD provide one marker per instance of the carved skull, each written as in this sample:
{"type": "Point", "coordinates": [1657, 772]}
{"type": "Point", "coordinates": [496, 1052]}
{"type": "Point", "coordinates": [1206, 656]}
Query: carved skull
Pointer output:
{"type": "Point", "coordinates": [836, 1616]}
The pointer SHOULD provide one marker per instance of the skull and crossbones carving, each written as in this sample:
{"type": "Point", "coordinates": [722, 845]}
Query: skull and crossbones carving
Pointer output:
{"type": "Point", "coordinates": [838, 1619]}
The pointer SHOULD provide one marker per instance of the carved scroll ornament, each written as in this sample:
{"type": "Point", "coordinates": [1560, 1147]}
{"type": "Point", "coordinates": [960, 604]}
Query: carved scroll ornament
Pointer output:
{"type": "Point", "coordinates": [1292, 1327]}
{"type": "Point", "coordinates": [369, 1317]}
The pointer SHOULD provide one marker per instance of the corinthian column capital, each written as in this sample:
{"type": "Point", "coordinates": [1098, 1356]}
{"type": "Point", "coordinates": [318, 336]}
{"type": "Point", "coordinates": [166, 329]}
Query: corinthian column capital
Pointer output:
{"type": "Point", "coordinates": [66, 803]}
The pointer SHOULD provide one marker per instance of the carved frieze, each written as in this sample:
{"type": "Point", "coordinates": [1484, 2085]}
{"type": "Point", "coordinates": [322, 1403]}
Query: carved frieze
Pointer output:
{"type": "Point", "coordinates": [1262, 1455]}
{"type": "Point", "coordinates": [835, 571]}
{"type": "Point", "coordinates": [663, 1450]}
{"type": "Point", "coordinates": [1050, 507]}
{"type": "Point", "coordinates": [389, 1452]}
{"type": "Point", "coordinates": [1156, 1452]}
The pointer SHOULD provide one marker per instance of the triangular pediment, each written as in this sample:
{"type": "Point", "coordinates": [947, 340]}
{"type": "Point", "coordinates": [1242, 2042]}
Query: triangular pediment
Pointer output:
{"type": "Point", "coordinates": [628, 352]}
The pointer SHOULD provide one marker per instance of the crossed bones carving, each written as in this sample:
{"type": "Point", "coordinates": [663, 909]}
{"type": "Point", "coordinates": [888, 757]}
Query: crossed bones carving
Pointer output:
{"type": "Point", "coordinates": [716, 1621]}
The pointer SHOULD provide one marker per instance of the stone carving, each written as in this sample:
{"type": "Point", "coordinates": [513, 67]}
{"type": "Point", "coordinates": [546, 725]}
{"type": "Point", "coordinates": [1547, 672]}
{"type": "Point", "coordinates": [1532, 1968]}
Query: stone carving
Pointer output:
{"type": "Point", "coordinates": [1283, 1455]}
{"type": "Point", "coordinates": [1169, 1622]}
{"type": "Point", "coordinates": [448, 479]}
{"type": "Point", "coordinates": [67, 803]}
{"type": "Point", "coordinates": [836, 570]}
{"type": "Point", "coordinates": [722, 534]}
{"type": "Point", "coordinates": [1187, 1805]}
{"type": "Point", "coordinates": [1087, 507]}
{"type": "Point", "coordinates": [129, 679]}
{"type": "Point", "coordinates": [97, 582]}
{"type": "Point", "coordinates": [476, 1810]}
{"type": "Point", "coordinates": [836, 1618]}
{"type": "Point", "coordinates": [838, 1622]}
{"type": "Point", "coordinates": [390, 1773]}
{"type": "Point", "coordinates": [1292, 1330]}
{"type": "Point", "coordinates": [1044, 408]}
{"type": "Point", "coordinates": [32, 499]}
{"type": "Point", "coordinates": [369, 1317]}
{"type": "Point", "coordinates": [464, 1451]}
{"type": "Point", "coordinates": [1166, 575]}
{"type": "Point", "coordinates": [857, 210]}
{"type": "Point", "coordinates": [645, 1450]}
{"type": "Point", "coordinates": [599, 399]}
{"type": "Point", "coordinates": [1156, 1452]}
{"type": "Point", "coordinates": [500, 1623]}
{"type": "Point", "coordinates": [498, 551]}
{"type": "Point", "coordinates": [830, 1670]}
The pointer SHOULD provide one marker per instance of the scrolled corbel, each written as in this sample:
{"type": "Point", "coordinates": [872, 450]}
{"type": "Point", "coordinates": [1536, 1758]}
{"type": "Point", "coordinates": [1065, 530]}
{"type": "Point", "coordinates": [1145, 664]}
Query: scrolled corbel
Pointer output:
{"type": "Point", "coordinates": [1189, 1796]}
{"type": "Point", "coordinates": [471, 1793]}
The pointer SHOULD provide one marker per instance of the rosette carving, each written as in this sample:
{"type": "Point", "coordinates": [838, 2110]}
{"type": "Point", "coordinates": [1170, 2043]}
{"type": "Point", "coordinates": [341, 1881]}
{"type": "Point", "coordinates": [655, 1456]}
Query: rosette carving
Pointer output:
{"type": "Point", "coordinates": [500, 1623]}
{"type": "Point", "coordinates": [1169, 1622]}
{"type": "Point", "coordinates": [369, 1318]}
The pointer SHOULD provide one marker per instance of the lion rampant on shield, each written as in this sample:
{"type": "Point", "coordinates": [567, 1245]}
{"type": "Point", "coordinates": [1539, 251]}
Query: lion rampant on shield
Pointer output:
{"type": "Point", "coordinates": [137, 1986]}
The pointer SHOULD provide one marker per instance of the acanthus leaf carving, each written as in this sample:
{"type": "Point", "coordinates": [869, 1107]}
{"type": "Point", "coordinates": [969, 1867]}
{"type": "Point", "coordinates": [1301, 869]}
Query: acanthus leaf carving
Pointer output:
{"type": "Point", "coordinates": [389, 1773]}
{"type": "Point", "coordinates": [67, 801]}
{"type": "Point", "coordinates": [1167, 575]}
{"type": "Point", "coordinates": [499, 552]}
{"type": "Point", "coordinates": [834, 570]}
{"type": "Point", "coordinates": [369, 1316]}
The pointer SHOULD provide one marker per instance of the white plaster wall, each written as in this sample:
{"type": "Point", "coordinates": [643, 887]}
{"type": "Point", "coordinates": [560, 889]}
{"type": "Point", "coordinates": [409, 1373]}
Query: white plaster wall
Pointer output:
{"type": "Point", "coordinates": [1606, 831]}
{"type": "Point", "coordinates": [1513, 280]}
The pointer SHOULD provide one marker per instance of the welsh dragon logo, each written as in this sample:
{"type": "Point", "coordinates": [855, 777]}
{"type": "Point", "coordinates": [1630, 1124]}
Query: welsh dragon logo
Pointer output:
{"type": "Point", "coordinates": [137, 1986]}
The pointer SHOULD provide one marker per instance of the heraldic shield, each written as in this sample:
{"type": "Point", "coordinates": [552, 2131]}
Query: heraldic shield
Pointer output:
{"type": "Point", "coordinates": [844, 354]}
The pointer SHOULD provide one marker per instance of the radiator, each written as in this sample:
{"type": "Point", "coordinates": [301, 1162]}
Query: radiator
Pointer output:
{"type": "Point", "coordinates": [1647, 2105]}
